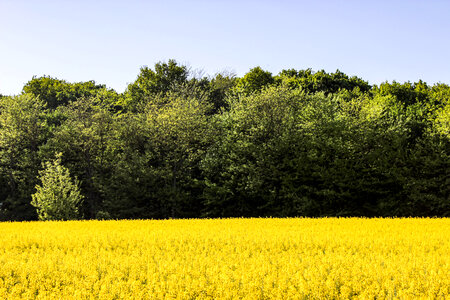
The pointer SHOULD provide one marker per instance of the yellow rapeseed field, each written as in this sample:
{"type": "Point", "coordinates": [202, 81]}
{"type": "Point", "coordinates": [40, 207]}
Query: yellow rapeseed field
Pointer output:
{"type": "Point", "coordinates": [226, 259]}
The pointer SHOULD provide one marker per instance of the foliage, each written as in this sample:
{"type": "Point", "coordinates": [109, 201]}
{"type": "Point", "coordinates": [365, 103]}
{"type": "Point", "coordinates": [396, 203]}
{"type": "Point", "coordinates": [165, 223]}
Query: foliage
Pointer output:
{"type": "Point", "coordinates": [83, 138]}
{"type": "Point", "coordinates": [220, 86]}
{"type": "Point", "coordinates": [179, 144]}
{"type": "Point", "coordinates": [321, 81]}
{"type": "Point", "coordinates": [57, 197]}
{"type": "Point", "coordinates": [255, 80]}
{"type": "Point", "coordinates": [442, 121]}
{"type": "Point", "coordinates": [55, 92]}
{"type": "Point", "coordinates": [22, 131]}
{"type": "Point", "coordinates": [149, 83]}
{"type": "Point", "coordinates": [179, 134]}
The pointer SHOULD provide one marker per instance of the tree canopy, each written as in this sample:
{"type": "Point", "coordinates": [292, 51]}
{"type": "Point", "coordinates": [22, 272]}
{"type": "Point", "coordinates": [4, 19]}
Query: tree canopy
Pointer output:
{"type": "Point", "coordinates": [175, 144]}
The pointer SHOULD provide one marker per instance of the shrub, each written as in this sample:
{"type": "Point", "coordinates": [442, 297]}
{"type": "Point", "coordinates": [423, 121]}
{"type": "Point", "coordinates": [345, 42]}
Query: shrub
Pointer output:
{"type": "Point", "coordinates": [58, 197]}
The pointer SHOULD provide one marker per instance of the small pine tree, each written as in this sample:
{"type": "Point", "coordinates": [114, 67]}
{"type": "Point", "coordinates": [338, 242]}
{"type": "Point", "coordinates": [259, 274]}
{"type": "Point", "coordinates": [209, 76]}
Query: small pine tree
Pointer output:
{"type": "Point", "coordinates": [58, 197]}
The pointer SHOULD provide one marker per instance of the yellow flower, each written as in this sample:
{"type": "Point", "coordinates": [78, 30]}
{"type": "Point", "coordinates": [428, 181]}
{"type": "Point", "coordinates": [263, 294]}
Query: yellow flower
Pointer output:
{"type": "Point", "coordinates": [352, 258]}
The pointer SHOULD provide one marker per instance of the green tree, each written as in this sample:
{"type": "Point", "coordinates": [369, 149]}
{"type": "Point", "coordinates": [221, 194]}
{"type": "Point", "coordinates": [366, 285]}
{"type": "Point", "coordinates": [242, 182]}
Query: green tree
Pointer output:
{"type": "Point", "coordinates": [57, 197]}
{"type": "Point", "coordinates": [259, 151]}
{"type": "Point", "coordinates": [179, 133]}
{"type": "Point", "coordinates": [254, 80]}
{"type": "Point", "coordinates": [83, 138]}
{"type": "Point", "coordinates": [220, 86]}
{"type": "Point", "coordinates": [407, 93]}
{"type": "Point", "coordinates": [23, 129]}
{"type": "Point", "coordinates": [130, 162]}
{"type": "Point", "coordinates": [55, 92]}
{"type": "Point", "coordinates": [283, 152]}
{"type": "Point", "coordinates": [156, 156]}
{"type": "Point", "coordinates": [321, 81]}
{"type": "Point", "coordinates": [150, 83]}
{"type": "Point", "coordinates": [442, 121]}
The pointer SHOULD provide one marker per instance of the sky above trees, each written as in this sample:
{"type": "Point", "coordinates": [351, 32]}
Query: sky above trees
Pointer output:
{"type": "Point", "coordinates": [108, 41]}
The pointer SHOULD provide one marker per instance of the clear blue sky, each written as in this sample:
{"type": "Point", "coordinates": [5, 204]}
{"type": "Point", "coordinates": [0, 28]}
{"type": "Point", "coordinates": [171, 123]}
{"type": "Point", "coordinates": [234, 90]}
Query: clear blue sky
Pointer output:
{"type": "Point", "coordinates": [108, 41]}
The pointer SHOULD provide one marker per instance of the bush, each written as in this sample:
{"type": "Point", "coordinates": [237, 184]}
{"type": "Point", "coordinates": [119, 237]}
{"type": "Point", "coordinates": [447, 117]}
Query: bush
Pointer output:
{"type": "Point", "coordinates": [58, 197]}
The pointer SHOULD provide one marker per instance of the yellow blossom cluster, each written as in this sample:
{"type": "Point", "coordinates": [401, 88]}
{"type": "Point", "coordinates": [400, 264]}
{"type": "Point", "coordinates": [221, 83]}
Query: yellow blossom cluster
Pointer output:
{"type": "Point", "coordinates": [330, 258]}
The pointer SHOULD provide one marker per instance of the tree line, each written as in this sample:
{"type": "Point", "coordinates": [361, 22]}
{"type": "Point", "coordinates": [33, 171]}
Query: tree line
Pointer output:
{"type": "Point", "coordinates": [175, 145]}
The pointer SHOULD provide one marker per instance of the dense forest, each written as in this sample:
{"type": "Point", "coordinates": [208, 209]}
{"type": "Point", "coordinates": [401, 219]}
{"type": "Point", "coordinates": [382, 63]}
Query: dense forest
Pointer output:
{"type": "Point", "coordinates": [175, 145]}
